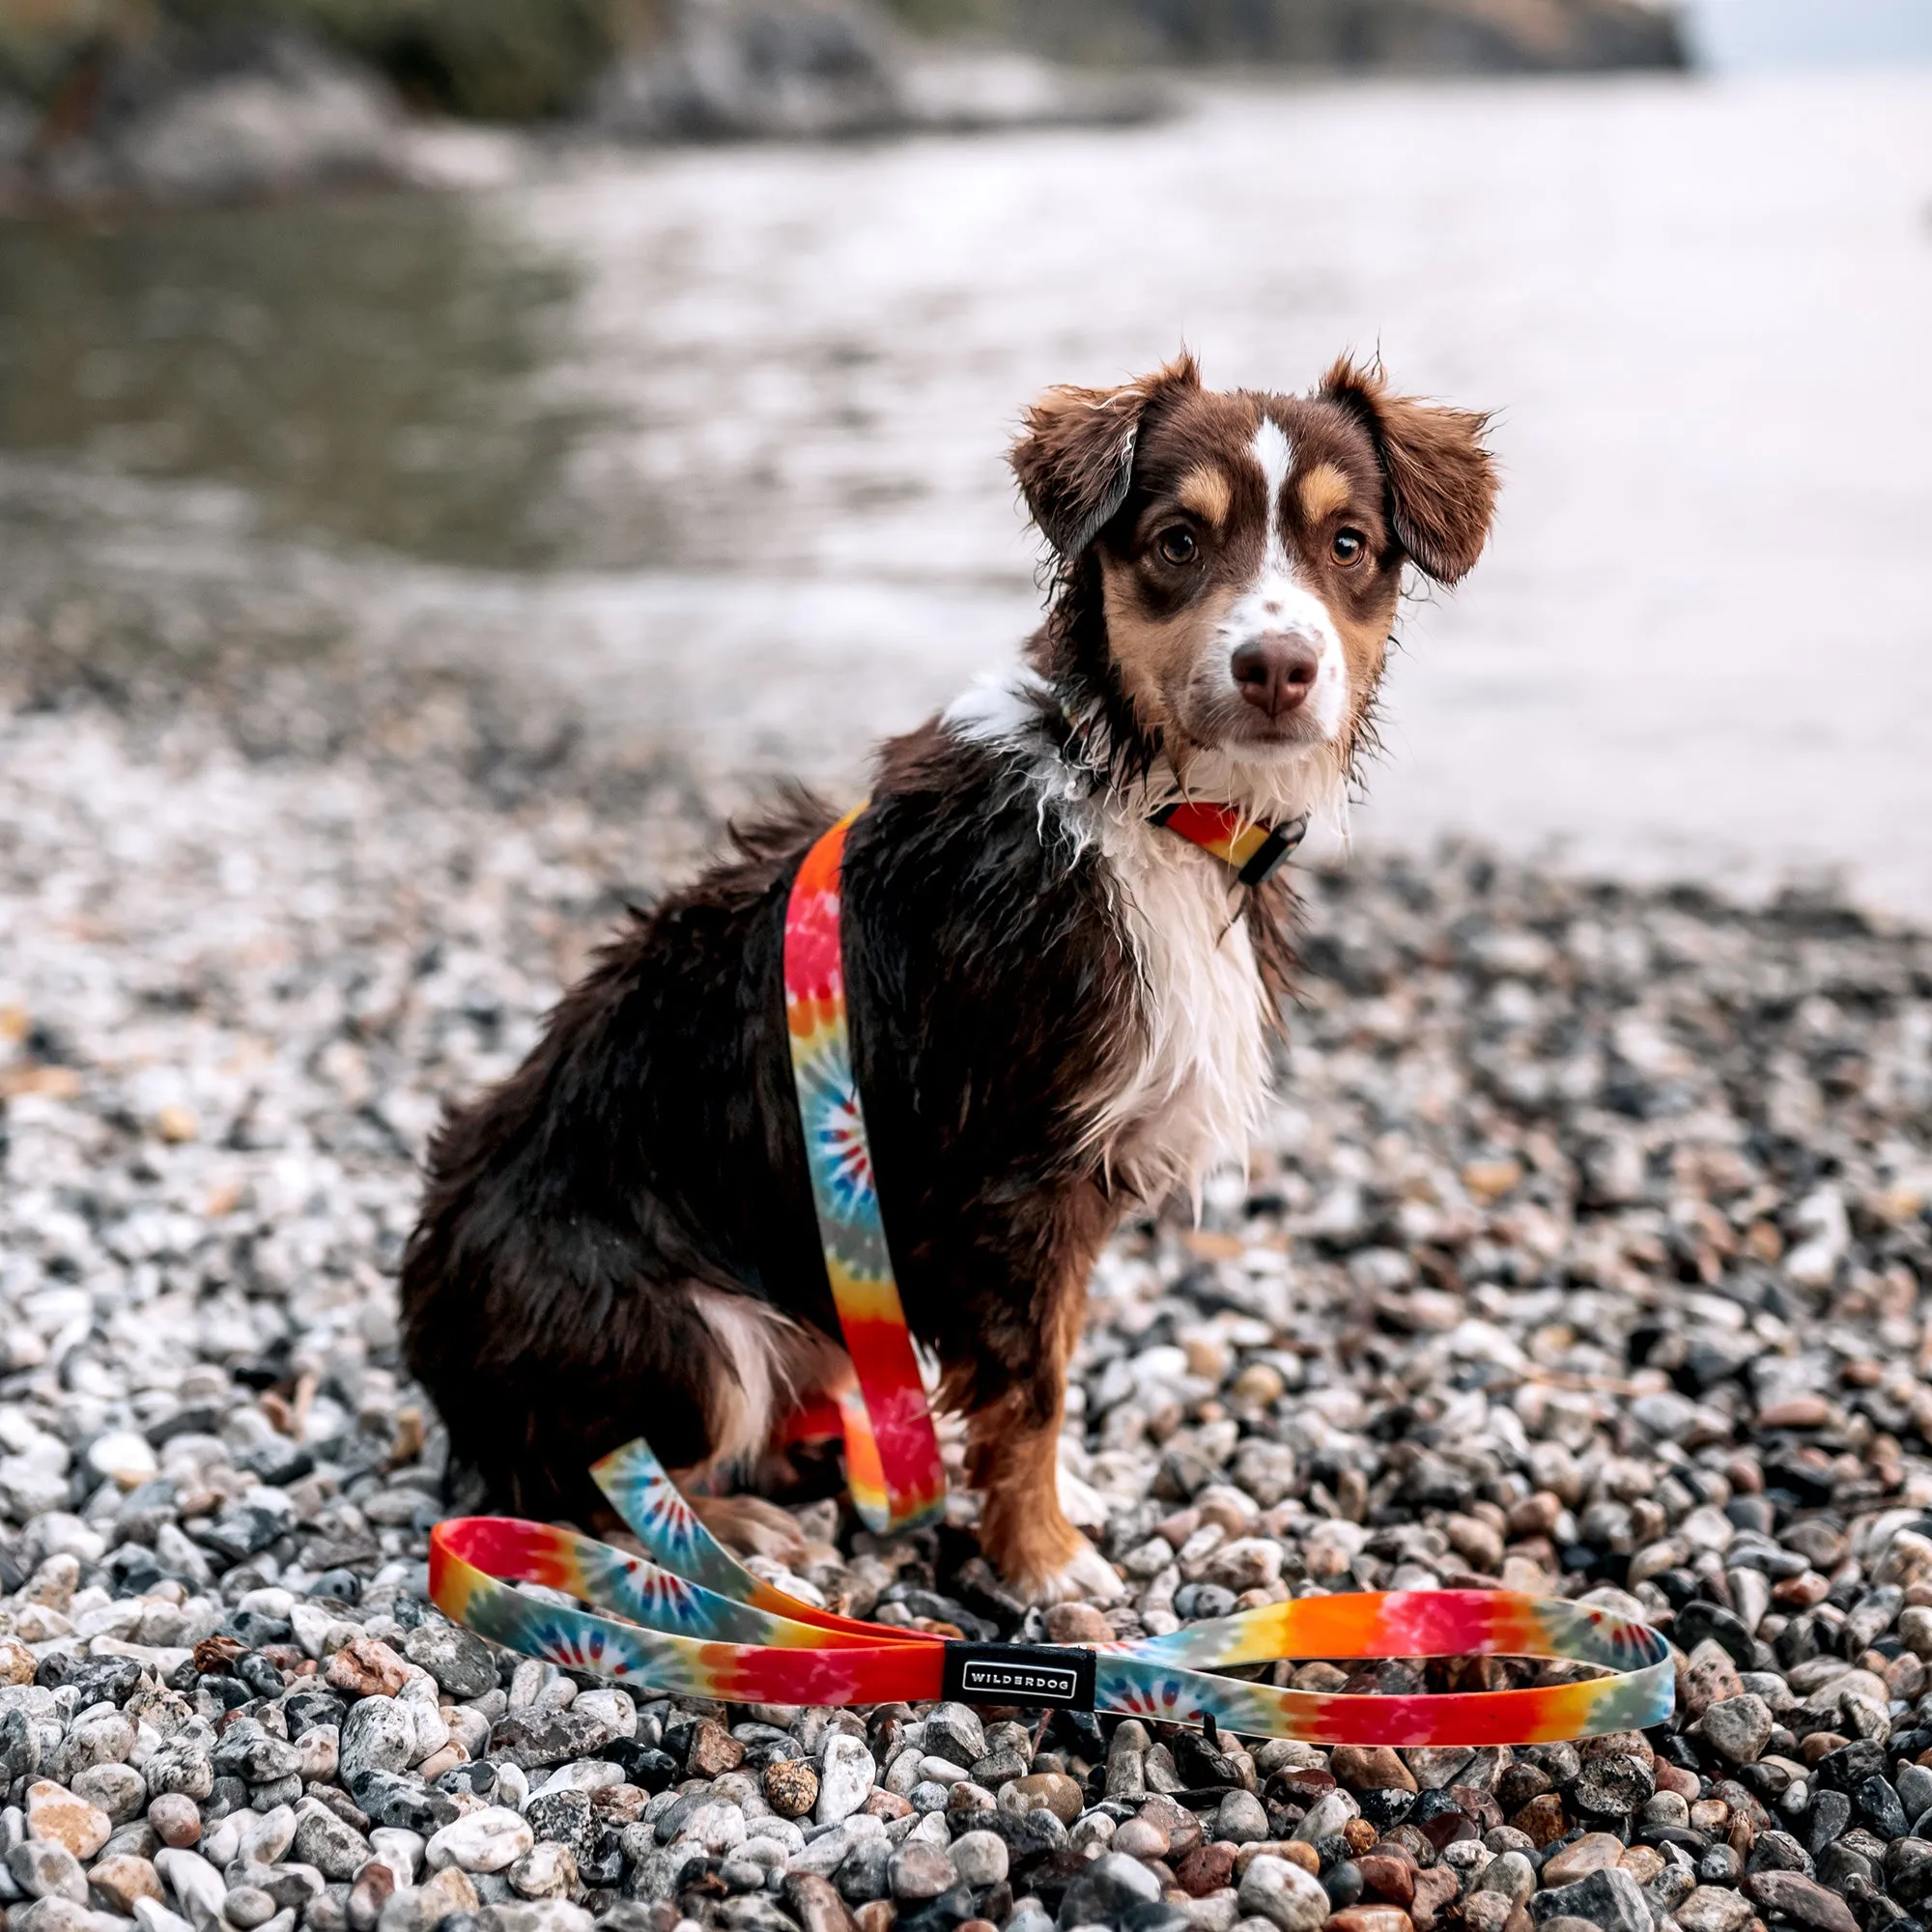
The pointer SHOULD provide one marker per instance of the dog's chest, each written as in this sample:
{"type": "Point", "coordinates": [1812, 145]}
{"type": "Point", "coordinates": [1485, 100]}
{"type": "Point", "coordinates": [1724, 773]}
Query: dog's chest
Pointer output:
{"type": "Point", "coordinates": [1192, 1089]}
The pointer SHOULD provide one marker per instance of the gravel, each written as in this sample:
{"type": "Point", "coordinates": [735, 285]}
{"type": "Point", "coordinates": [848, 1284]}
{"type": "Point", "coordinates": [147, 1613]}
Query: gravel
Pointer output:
{"type": "Point", "coordinates": [1583, 1254]}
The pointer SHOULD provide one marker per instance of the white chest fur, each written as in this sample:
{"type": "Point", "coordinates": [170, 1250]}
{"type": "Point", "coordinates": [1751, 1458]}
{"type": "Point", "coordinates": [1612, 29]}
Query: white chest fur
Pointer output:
{"type": "Point", "coordinates": [1195, 1090]}
{"type": "Point", "coordinates": [1195, 1084]}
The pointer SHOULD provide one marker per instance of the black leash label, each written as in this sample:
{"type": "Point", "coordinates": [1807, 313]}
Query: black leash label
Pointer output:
{"type": "Point", "coordinates": [1018, 1673]}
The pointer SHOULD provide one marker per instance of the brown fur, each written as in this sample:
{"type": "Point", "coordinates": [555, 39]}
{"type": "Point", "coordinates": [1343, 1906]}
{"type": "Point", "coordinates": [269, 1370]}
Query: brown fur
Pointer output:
{"type": "Point", "coordinates": [1207, 492]}
{"type": "Point", "coordinates": [619, 1239]}
{"type": "Point", "coordinates": [1325, 493]}
{"type": "Point", "coordinates": [1411, 477]}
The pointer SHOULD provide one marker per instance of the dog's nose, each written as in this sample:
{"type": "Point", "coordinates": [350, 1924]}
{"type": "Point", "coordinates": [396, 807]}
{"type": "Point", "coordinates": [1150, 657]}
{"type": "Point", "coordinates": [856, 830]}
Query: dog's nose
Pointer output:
{"type": "Point", "coordinates": [1277, 671]}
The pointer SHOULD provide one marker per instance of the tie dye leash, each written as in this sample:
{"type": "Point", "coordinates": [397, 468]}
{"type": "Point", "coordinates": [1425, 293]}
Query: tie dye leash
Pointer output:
{"type": "Point", "coordinates": [891, 1454]}
{"type": "Point", "coordinates": [688, 1617]}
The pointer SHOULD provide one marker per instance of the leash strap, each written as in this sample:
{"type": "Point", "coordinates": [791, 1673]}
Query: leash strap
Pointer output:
{"type": "Point", "coordinates": [687, 1617]}
{"type": "Point", "coordinates": [891, 1454]}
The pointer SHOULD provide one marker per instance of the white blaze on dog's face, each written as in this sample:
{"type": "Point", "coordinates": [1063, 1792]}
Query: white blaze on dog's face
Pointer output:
{"type": "Point", "coordinates": [1250, 547]}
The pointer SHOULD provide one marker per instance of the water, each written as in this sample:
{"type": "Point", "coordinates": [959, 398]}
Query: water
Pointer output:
{"type": "Point", "coordinates": [710, 441]}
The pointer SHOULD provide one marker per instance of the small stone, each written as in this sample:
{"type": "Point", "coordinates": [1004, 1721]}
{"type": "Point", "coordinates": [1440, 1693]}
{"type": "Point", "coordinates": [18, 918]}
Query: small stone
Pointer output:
{"type": "Point", "coordinates": [1797, 1411]}
{"type": "Point", "coordinates": [1914, 1631]}
{"type": "Point", "coordinates": [1077, 1623]}
{"type": "Point", "coordinates": [117, 1789]}
{"type": "Point", "coordinates": [1883, 1813]}
{"type": "Point", "coordinates": [1206, 1870]}
{"type": "Point", "coordinates": [1389, 1877]}
{"type": "Point", "coordinates": [460, 1661]}
{"type": "Point", "coordinates": [713, 1750]}
{"type": "Point", "coordinates": [374, 1885]}
{"type": "Point", "coordinates": [1714, 1908]}
{"type": "Point", "coordinates": [1611, 1899]}
{"type": "Point", "coordinates": [247, 1907]}
{"type": "Point", "coordinates": [1111, 1886]}
{"type": "Point", "coordinates": [847, 1776]}
{"type": "Point", "coordinates": [1710, 1677]}
{"type": "Point", "coordinates": [1140, 1840]}
{"type": "Point", "coordinates": [176, 1819]}
{"type": "Point", "coordinates": [328, 1843]}
{"type": "Point", "coordinates": [196, 1885]}
{"type": "Point", "coordinates": [379, 1734]}
{"type": "Point", "coordinates": [448, 1892]}
{"type": "Point", "coordinates": [1370, 1919]}
{"type": "Point", "coordinates": [182, 1769]}
{"type": "Point", "coordinates": [1738, 1728]}
{"type": "Point", "coordinates": [1369, 1768]}
{"type": "Point", "coordinates": [790, 1787]}
{"type": "Point", "coordinates": [980, 1859]}
{"type": "Point", "coordinates": [817, 1905]}
{"type": "Point", "coordinates": [547, 1870]}
{"type": "Point", "coordinates": [43, 1869]}
{"type": "Point", "coordinates": [482, 1841]}
{"type": "Point", "coordinates": [918, 1871]}
{"type": "Point", "coordinates": [1593, 1850]}
{"type": "Point", "coordinates": [1799, 1898]}
{"type": "Point", "coordinates": [55, 1814]}
{"type": "Point", "coordinates": [1049, 1791]}
{"type": "Point", "coordinates": [1326, 1816]}
{"type": "Point", "coordinates": [1435, 1890]}
{"type": "Point", "coordinates": [124, 1455]}
{"type": "Point", "coordinates": [118, 1882]}
{"type": "Point", "coordinates": [1542, 1819]}
{"type": "Point", "coordinates": [1283, 1895]}
{"type": "Point", "coordinates": [955, 1731]}
{"type": "Point", "coordinates": [1240, 1819]}
{"type": "Point", "coordinates": [1612, 1785]}
{"type": "Point", "coordinates": [367, 1667]}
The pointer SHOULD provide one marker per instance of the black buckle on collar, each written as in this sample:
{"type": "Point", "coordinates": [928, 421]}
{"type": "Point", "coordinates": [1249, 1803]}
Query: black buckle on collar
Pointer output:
{"type": "Point", "coordinates": [1275, 849]}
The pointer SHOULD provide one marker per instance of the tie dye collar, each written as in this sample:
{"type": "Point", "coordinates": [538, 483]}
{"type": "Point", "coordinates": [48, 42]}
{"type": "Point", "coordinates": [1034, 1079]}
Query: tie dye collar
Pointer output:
{"type": "Point", "coordinates": [1251, 850]}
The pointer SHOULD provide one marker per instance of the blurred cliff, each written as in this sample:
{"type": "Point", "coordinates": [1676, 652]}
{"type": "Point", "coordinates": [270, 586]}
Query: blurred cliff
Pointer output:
{"type": "Point", "coordinates": [115, 101]}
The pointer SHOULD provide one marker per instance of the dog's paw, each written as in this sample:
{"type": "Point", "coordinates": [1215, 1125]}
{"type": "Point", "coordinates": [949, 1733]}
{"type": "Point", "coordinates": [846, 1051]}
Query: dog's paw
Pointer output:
{"type": "Point", "coordinates": [754, 1527]}
{"type": "Point", "coordinates": [1085, 1578]}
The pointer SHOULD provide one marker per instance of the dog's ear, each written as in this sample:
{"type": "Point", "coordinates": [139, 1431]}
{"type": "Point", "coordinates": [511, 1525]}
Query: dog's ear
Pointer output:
{"type": "Point", "coordinates": [1075, 460]}
{"type": "Point", "coordinates": [1442, 480]}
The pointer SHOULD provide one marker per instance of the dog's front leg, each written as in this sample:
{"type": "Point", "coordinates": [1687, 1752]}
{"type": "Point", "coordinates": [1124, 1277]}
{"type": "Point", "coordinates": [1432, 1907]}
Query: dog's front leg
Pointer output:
{"type": "Point", "coordinates": [1012, 1435]}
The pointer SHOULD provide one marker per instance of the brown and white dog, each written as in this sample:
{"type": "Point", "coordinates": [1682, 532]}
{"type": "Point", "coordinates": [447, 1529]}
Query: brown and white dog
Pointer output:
{"type": "Point", "coordinates": [1058, 1008]}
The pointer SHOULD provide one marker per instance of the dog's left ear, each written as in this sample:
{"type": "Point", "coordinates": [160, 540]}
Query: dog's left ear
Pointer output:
{"type": "Point", "coordinates": [1442, 480]}
{"type": "Point", "coordinates": [1075, 461]}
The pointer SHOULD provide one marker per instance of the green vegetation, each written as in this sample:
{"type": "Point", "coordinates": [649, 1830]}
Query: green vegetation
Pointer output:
{"type": "Point", "coordinates": [532, 60]}
{"type": "Point", "coordinates": [491, 60]}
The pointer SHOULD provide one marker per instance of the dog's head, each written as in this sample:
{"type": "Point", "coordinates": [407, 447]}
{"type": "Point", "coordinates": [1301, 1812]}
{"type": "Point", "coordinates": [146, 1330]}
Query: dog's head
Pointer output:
{"type": "Point", "coordinates": [1234, 558]}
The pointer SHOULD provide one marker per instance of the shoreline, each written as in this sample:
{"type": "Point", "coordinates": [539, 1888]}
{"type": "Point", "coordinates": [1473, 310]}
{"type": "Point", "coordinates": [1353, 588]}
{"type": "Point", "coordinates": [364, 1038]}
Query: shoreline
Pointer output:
{"type": "Point", "coordinates": [1581, 1254]}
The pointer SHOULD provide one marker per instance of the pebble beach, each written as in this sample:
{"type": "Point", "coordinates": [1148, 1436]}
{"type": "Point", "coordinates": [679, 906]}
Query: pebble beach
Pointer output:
{"type": "Point", "coordinates": [1582, 1255]}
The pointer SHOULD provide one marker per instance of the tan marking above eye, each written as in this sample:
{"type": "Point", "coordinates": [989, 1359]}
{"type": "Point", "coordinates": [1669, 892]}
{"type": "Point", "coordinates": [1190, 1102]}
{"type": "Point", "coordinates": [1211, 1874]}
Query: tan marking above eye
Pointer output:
{"type": "Point", "coordinates": [1206, 491]}
{"type": "Point", "coordinates": [1324, 490]}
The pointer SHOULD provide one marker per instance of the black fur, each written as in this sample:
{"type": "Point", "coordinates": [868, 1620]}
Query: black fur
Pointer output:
{"type": "Point", "coordinates": [652, 1139]}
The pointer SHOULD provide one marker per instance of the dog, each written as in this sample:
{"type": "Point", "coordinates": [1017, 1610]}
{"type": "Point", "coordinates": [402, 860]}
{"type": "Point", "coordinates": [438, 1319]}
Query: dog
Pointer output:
{"type": "Point", "coordinates": [1058, 1008]}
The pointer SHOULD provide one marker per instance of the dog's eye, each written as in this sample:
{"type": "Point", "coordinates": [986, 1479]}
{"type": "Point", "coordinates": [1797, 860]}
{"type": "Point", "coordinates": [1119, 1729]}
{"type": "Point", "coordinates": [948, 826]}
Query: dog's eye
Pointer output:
{"type": "Point", "coordinates": [1350, 547]}
{"type": "Point", "coordinates": [1177, 544]}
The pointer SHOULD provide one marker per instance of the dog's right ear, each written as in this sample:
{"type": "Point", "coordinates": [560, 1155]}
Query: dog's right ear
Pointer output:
{"type": "Point", "coordinates": [1075, 462]}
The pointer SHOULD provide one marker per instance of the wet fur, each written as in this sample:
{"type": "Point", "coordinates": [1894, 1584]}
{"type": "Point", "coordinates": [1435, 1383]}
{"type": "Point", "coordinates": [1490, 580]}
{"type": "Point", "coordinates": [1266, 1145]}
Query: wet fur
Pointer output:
{"type": "Point", "coordinates": [619, 1239]}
